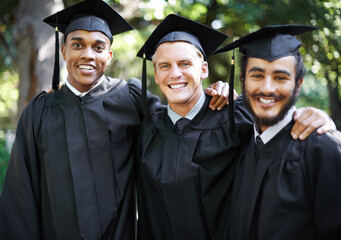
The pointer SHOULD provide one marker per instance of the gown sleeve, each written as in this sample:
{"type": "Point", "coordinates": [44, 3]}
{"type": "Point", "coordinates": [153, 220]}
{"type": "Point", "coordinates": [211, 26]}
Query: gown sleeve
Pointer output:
{"type": "Point", "coordinates": [322, 169]}
{"type": "Point", "coordinates": [243, 120]}
{"type": "Point", "coordinates": [135, 93]}
{"type": "Point", "coordinates": [19, 201]}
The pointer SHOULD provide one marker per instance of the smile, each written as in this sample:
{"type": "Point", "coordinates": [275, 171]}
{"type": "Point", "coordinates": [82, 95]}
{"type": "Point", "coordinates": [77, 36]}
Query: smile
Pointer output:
{"type": "Point", "coordinates": [86, 67]}
{"type": "Point", "coordinates": [175, 86]}
{"type": "Point", "coordinates": [267, 101]}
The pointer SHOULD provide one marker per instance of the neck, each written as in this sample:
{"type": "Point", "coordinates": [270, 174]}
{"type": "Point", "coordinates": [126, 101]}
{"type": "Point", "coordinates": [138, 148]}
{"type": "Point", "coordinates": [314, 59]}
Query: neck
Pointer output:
{"type": "Point", "coordinates": [261, 129]}
{"type": "Point", "coordinates": [182, 109]}
{"type": "Point", "coordinates": [185, 107]}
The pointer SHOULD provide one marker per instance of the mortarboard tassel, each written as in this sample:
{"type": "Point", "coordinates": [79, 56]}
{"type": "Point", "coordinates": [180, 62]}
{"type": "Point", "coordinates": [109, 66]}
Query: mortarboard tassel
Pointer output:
{"type": "Point", "coordinates": [144, 88]}
{"type": "Point", "coordinates": [55, 78]}
{"type": "Point", "coordinates": [231, 96]}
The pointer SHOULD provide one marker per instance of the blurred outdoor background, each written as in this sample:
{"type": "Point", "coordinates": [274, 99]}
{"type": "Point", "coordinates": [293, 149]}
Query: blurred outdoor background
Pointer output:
{"type": "Point", "coordinates": [27, 47]}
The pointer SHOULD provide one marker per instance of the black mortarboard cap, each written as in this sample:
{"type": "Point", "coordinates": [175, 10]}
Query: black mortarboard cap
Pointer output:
{"type": "Point", "coordinates": [89, 15]}
{"type": "Point", "coordinates": [269, 43]}
{"type": "Point", "coordinates": [175, 28]}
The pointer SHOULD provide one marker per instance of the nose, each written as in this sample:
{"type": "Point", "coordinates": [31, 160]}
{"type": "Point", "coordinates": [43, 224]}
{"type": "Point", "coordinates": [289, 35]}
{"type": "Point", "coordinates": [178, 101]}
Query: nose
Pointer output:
{"type": "Point", "coordinates": [267, 86]}
{"type": "Point", "coordinates": [88, 53]}
{"type": "Point", "coordinates": [175, 72]}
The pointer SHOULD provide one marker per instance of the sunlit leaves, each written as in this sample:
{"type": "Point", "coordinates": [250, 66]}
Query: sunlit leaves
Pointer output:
{"type": "Point", "coordinates": [8, 95]}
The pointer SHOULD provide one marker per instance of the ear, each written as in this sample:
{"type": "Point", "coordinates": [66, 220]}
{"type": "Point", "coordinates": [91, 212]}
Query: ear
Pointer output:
{"type": "Point", "coordinates": [204, 70]}
{"type": "Point", "coordinates": [299, 84]}
{"type": "Point", "coordinates": [63, 51]}
{"type": "Point", "coordinates": [110, 54]}
{"type": "Point", "coordinates": [242, 81]}
{"type": "Point", "coordinates": [156, 77]}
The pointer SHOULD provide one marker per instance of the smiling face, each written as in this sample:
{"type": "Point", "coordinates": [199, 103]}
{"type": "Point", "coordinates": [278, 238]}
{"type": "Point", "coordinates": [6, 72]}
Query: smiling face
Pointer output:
{"type": "Point", "coordinates": [270, 89]}
{"type": "Point", "coordinates": [87, 55]}
{"type": "Point", "coordinates": [179, 71]}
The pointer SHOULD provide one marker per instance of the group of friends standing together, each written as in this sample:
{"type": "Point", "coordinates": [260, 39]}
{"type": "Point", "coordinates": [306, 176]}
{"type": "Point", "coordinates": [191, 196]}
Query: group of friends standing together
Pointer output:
{"type": "Point", "coordinates": [101, 158]}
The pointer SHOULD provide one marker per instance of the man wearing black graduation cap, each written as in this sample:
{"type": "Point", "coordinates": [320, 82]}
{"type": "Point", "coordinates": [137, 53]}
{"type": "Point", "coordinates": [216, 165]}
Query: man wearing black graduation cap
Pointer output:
{"type": "Point", "coordinates": [71, 172]}
{"type": "Point", "coordinates": [284, 188]}
{"type": "Point", "coordinates": [185, 174]}
{"type": "Point", "coordinates": [189, 154]}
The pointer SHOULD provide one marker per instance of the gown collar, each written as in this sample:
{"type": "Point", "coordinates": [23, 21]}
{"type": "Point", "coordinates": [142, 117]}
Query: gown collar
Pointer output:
{"type": "Point", "coordinates": [191, 114]}
{"type": "Point", "coordinates": [82, 94]}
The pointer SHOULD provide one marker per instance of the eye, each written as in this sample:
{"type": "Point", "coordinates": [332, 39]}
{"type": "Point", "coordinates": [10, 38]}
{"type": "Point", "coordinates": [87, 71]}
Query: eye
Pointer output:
{"type": "Point", "coordinates": [164, 66]}
{"type": "Point", "coordinates": [185, 64]}
{"type": "Point", "coordinates": [257, 76]}
{"type": "Point", "coordinates": [281, 78]}
{"type": "Point", "coordinates": [99, 48]}
{"type": "Point", "coordinates": [76, 45]}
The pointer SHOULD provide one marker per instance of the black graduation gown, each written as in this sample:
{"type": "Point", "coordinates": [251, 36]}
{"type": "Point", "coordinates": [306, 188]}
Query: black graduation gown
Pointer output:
{"type": "Point", "coordinates": [185, 178]}
{"type": "Point", "coordinates": [71, 172]}
{"type": "Point", "coordinates": [289, 190]}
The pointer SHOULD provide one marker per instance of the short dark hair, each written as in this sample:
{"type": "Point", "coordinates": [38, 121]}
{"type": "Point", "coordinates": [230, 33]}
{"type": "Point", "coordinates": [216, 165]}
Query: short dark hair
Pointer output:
{"type": "Point", "coordinates": [300, 68]}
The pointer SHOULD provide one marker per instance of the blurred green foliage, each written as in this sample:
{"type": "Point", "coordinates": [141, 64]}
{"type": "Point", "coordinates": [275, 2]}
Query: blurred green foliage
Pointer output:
{"type": "Point", "coordinates": [4, 157]}
{"type": "Point", "coordinates": [8, 99]}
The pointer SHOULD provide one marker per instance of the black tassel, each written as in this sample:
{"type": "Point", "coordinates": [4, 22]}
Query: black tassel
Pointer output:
{"type": "Point", "coordinates": [144, 88]}
{"type": "Point", "coordinates": [55, 78]}
{"type": "Point", "coordinates": [231, 96]}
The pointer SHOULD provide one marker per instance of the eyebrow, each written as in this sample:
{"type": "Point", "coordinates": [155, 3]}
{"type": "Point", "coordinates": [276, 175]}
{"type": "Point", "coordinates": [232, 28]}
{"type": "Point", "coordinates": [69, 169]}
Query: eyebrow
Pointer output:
{"type": "Point", "coordinates": [258, 69]}
{"type": "Point", "coordinates": [162, 63]}
{"type": "Point", "coordinates": [81, 39]}
{"type": "Point", "coordinates": [282, 72]}
{"type": "Point", "coordinates": [77, 38]}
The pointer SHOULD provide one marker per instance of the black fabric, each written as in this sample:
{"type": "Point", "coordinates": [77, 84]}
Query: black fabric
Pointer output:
{"type": "Point", "coordinates": [259, 144]}
{"type": "Point", "coordinates": [181, 36]}
{"type": "Point", "coordinates": [99, 8]}
{"type": "Point", "coordinates": [182, 123]}
{"type": "Point", "coordinates": [177, 28]}
{"type": "Point", "coordinates": [270, 42]}
{"type": "Point", "coordinates": [89, 23]}
{"type": "Point", "coordinates": [71, 172]}
{"type": "Point", "coordinates": [291, 190]}
{"type": "Point", "coordinates": [185, 178]}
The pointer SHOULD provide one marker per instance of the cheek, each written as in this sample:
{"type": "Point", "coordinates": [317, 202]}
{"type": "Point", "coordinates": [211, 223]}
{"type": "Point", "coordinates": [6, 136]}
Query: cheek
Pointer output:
{"type": "Point", "coordinates": [103, 60]}
{"type": "Point", "coordinates": [249, 86]}
{"type": "Point", "coordinates": [287, 90]}
{"type": "Point", "coordinates": [161, 78]}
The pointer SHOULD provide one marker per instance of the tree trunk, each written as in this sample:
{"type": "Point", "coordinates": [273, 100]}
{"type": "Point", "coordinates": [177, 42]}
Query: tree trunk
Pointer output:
{"type": "Point", "coordinates": [35, 43]}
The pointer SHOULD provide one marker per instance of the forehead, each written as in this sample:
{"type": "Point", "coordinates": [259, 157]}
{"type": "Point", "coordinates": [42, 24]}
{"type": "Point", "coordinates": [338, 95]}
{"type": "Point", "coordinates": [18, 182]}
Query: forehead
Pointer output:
{"type": "Point", "coordinates": [177, 49]}
{"type": "Point", "coordinates": [88, 36]}
{"type": "Point", "coordinates": [288, 63]}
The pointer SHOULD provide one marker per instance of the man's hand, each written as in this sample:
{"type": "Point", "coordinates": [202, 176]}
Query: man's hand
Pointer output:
{"type": "Point", "coordinates": [307, 120]}
{"type": "Point", "coordinates": [220, 95]}
{"type": "Point", "coordinates": [50, 90]}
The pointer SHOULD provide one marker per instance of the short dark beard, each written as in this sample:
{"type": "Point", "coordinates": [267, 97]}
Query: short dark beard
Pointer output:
{"type": "Point", "coordinates": [267, 122]}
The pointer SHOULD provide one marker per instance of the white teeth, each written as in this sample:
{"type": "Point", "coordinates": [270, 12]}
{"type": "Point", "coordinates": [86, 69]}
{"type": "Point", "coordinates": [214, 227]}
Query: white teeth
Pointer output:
{"type": "Point", "coordinates": [178, 86]}
{"type": "Point", "coordinates": [86, 67]}
{"type": "Point", "coordinates": [266, 101]}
